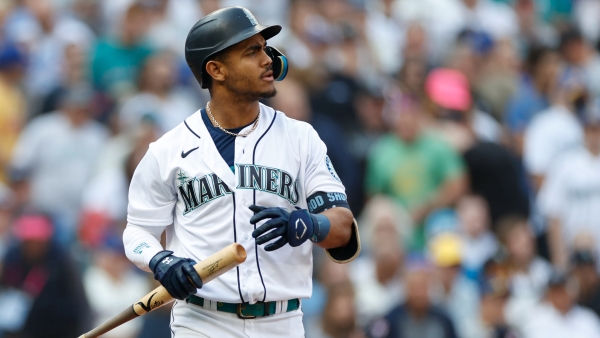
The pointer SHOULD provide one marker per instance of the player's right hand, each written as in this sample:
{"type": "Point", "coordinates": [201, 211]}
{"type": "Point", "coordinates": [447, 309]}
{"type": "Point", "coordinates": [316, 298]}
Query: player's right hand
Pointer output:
{"type": "Point", "coordinates": [176, 274]}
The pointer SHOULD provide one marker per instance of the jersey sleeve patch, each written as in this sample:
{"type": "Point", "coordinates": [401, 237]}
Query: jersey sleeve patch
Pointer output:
{"type": "Point", "coordinates": [331, 168]}
{"type": "Point", "coordinates": [321, 201]}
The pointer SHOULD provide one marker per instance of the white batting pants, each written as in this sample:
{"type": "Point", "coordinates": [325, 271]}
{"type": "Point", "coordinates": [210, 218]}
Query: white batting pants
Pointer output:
{"type": "Point", "coordinates": [193, 321]}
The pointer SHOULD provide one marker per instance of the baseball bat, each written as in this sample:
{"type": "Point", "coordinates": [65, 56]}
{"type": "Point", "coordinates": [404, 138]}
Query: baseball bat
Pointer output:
{"type": "Point", "coordinates": [208, 269]}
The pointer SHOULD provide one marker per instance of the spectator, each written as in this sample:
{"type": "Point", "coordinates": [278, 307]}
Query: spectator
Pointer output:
{"type": "Point", "coordinates": [57, 152]}
{"type": "Point", "coordinates": [479, 243]}
{"type": "Point", "coordinates": [117, 61]}
{"type": "Point", "coordinates": [456, 294]}
{"type": "Point", "coordinates": [386, 36]}
{"type": "Point", "coordinates": [554, 131]}
{"type": "Point", "coordinates": [570, 195]}
{"type": "Point", "coordinates": [559, 316]}
{"type": "Point", "coordinates": [496, 80]}
{"type": "Point", "coordinates": [451, 103]}
{"type": "Point", "coordinates": [378, 276]}
{"type": "Point", "coordinates": [159, 98]}
{"type": "Point", "coordinates": [416, 317]}
{"type": "Point", "coordinates": [45, 33]}
{"type": "Point", "coordinates": [583, 61]}
{"type": "Point", "coordinates": [38, 274]}
{"type": "Point", "coordinates": [527, 273]}
{"type": "Point", "coordinates": [12, 101]}
{"type": "Point", "coordinates": [585, 270]}
{"type": "Point", "coordinates": [415, 167]}
{"type": "Point", "coordinates": [339, 315]}
{"type": "Point", "coordinates": [538, 82]}
{"type": "Point", "coordinates": [112, 274]}
{"type": "Point", "coordinates": [494, 295]}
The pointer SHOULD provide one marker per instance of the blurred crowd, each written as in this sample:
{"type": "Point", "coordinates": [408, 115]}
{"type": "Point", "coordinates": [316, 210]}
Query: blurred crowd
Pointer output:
{"type": "Point", "coordinates": [466, 132]}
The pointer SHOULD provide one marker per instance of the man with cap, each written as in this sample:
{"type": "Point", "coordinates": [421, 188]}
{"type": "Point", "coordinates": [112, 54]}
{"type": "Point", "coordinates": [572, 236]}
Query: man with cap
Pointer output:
{"type": "Point", "coordinates": [558, 315]}
{"type": "Point", "coordinates": [218, 176]}
{"type": "Point", "coordinates": [570, 195]}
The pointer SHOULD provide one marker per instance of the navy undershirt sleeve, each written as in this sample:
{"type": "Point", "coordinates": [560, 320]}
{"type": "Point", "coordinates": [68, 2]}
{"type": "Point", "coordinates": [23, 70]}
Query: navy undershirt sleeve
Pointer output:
{"type": "Point", "coordinates": [225, 143]}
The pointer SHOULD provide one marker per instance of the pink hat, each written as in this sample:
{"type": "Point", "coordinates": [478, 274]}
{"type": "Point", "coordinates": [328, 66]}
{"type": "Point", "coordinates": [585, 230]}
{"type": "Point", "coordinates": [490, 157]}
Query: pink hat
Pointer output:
{"type": "Point", "coordinates": [448, 88]}
{"type": "Point", "coordinates": [33, 227]}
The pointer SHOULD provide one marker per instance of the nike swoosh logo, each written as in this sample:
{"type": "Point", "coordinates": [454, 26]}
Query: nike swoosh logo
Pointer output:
{"type": "Point", "coordinates": [184, 155]}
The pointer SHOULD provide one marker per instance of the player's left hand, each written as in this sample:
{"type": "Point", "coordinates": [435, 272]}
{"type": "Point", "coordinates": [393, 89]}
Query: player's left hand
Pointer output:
{"type": "Point", "coordinates": [291, 227]}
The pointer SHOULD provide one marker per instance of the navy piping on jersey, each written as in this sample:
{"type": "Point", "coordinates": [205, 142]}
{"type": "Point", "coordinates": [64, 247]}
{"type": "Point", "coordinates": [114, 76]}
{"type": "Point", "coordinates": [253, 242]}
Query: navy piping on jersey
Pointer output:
{"type": "Point", "coordinates": [188, 127]}
{"type": "Point", "coordinates": [234, 225]}
{"type": "Point", "coordinates": [237, 268]}
{"type": "Point", "coordinates": [254, 202]}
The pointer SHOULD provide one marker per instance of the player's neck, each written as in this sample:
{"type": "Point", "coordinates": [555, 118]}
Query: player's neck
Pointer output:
{"type": "Point", "coordinates": [233, 113]}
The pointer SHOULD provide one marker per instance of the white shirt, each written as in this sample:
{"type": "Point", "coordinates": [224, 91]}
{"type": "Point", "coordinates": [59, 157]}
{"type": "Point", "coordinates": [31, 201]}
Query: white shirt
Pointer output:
{"type": "Point", "coordinates": [60, 159]}
{"type": "Point", "coordinates": [546, 322]}
{"type": "Point", "coordinates": [108, 296]}
{"type": "Point", "coordinates": [571, 194]}
{"type": "Point", "coordinates": [551, 133]}
{"type": "Point", "coordinates": [373, 298]}
{"type": "Point", "coordinates": [167, 113]}
{"type": "Point", "coordinates": [280, 164]}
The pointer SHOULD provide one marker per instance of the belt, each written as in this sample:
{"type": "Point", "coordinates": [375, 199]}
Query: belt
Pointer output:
{"type": "Point", "coordinates": [246, 310]}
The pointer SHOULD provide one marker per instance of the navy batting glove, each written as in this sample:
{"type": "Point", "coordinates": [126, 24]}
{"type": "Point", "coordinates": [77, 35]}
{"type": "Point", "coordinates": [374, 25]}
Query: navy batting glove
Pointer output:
{"type": "Point", "coordinates": [291, 227]}
{"type": "Point", "coordinates": [176, 274]}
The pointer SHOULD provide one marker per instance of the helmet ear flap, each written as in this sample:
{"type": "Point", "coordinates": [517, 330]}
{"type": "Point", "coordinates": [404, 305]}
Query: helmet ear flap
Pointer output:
{"type": "Point", "coordinates": [280, 63]}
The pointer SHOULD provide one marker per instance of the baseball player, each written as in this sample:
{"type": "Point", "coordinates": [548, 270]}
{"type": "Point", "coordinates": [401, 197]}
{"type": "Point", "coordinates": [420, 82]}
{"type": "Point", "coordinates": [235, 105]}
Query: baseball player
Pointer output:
{"type": "Point", "coordinates": [237, 171]}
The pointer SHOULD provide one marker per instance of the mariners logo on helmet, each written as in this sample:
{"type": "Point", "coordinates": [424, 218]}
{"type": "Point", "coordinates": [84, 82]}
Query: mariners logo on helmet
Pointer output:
{"type": "Point", "coordinates": [250, 17]}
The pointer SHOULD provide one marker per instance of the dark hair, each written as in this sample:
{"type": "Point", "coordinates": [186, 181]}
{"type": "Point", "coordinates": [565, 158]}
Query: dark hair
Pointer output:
{"type": "Point", "coordinates": [535, 56]}
{"type": "Point", "coordinates": [570, 35]}
{"type": "Point", "coordinates": [507, 224]}
{"type": "Point", "coordinates": [219, 56]}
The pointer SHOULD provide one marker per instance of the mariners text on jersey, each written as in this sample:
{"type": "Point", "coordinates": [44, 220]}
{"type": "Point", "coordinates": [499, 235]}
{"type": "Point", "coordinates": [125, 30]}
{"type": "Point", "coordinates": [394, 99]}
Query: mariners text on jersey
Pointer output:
{"type": "Point", "coordinates": [197, 191]}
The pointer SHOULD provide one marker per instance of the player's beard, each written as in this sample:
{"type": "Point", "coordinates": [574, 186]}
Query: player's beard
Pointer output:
{"type": "Point", "coordinates": [242, 87]}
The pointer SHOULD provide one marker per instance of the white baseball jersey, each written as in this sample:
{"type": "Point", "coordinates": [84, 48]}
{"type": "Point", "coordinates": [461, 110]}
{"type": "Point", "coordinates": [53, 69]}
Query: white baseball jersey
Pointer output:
{"type": "Point", "coordinates": [550, 134]}
{"type": "Point", "coordinates": [571, 194]}
{"type": "Point", "coordinates": [183, 184]}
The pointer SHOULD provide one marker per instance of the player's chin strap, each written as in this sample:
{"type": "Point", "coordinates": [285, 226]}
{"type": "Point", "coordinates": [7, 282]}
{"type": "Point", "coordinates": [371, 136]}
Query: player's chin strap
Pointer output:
{"type": "Point", "coordinates": [280, 63]}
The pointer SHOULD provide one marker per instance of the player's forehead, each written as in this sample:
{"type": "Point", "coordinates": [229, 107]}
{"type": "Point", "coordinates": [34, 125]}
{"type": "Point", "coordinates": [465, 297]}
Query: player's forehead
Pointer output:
{"type": "Point", "coordinates": [253, 41]}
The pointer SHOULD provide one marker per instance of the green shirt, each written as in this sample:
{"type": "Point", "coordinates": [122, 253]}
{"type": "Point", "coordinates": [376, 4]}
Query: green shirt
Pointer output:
{"type": "Point", "coordinates": [115, 68]}
{"type": "Point", "coordinates": [411, 172]}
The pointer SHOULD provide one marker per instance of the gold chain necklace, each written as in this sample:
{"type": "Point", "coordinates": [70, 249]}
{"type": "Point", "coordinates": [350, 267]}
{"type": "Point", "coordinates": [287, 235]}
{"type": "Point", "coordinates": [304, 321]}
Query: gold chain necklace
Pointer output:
{"type": "Point", "coordinates": [212, 118]}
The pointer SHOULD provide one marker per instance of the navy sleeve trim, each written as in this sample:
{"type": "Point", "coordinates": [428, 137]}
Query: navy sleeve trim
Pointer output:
{"type": "Point", "coordinates": [321, 201]}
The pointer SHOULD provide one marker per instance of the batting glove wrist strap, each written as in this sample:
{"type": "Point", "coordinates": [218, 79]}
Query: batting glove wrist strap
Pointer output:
{"type": "Point", "coordinates": [176, 274]}
{"type": "Point", "coordinates": [321, 227]}
{"type": "Point", "coordinates": [294, 227]}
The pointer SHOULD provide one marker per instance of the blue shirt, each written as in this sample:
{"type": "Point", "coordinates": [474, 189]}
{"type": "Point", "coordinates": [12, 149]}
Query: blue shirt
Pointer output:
{"type": "Point", "coordinates": [523, 106]}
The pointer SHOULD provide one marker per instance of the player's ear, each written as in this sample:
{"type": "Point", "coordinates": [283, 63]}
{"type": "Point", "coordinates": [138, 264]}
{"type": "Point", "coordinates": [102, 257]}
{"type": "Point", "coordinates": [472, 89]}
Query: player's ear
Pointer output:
{"type": "Point", "coordinates": [216, 70]}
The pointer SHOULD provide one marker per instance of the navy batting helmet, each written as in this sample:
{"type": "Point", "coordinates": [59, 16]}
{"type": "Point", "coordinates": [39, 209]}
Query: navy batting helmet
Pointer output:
{"type": "Point", "coordinates": [224, 28]}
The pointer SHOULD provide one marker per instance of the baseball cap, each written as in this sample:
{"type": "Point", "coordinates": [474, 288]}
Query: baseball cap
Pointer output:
{"type": "Point", "coordinates": [33, 227]}
{"type": "Point", "coordinates": [446, 250]}
{"type": "Point", "coordinates": [11, 55]}
{"type": "Point", "coordinates": [449, 89]}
